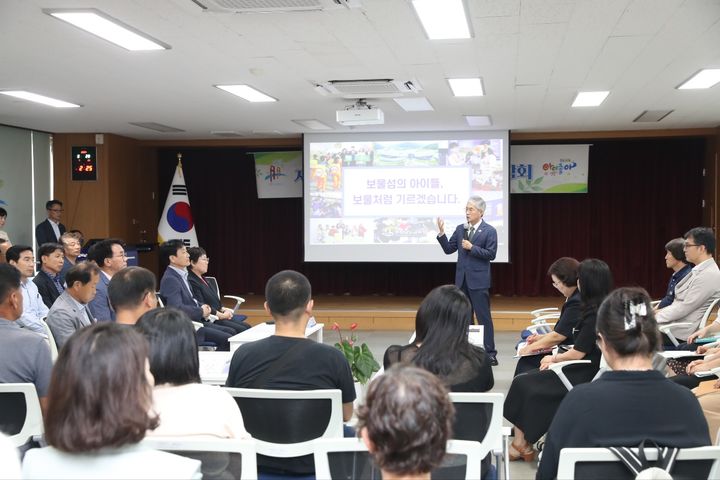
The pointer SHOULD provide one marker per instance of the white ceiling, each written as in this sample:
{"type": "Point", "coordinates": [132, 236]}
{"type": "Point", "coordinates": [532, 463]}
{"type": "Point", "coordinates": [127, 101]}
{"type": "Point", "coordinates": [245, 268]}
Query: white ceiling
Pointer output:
{"type": "Point", "coordinates": [533, 56]}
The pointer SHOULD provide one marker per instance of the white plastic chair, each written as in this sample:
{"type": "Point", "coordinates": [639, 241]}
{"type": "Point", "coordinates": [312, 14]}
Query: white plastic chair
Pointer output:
{"type": "Point", "coordinates": [195, 448]}
{"type": "Point", "coordinates": [544, 311]}
{"type": "Point", "coordinates": [324, 448]}
{"type": "Point", "coordinates": [33, 422]}
{"type": "Point", "coordinates": [297, 412]}
{"type": "Point", "coordinates": [493, 440]}
{"type": "Point", "coordinates": [51, 341]}
{"type": "Point", "coordinates": [212, 281]}
{"type": "Point", "coordinates": [667, 328]}
{"type": "Point", "coordinates": [572, 458]}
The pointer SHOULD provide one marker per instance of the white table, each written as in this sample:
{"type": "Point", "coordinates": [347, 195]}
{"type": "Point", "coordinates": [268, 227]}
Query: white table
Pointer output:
{"type": "Point", "coordinates": [214, 367]}
{"type": "Point", "coordinates": [264, 330]}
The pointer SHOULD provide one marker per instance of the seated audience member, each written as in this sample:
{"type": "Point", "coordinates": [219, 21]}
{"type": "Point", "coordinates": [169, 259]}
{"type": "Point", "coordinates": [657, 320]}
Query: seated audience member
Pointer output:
{"type": "Point", "coordinates": [3, 218]}
{"type": "Point", "coordinates": [632, 400]}
{"type": "Point", "coordinates": [131, 292]}
{"type": "Point", "coordinates": [205, 294]}
{"type": "Point", "coordinates": [176, 292]}
{"type": "Point", "coordinates": [34, 310]}
{"type": "Point", "coordinates": [441, 343]}
{"type": "Point", "coordinates": [109, 255]}
{"type": "Point", "coordinates": [534, 396]}
{"type": "Point", "coordinates": [48, 279]}
{"type": "Point", "coordinates": [406, 421]}
{"type": "Point", "coordinates": [563, 273]}
{"type": "Point", "coordinates": [50, 229]}
{"type": "Point", "coordinates": [71, 249]}
{"type": "Point", "coordinates": [695, 292]}
{"type": "Point", "coordinates": [69, 313]}
{"type": "Point", "coordinates": [4, 247]}
{"type": "Point", "coordinates": [289, 361]}
{"type": "Point", "coordinates": [674, 260]}
{"type": "Point", "coordinates": [708, 394]}
{"type": "Point", "coordinates": [99, 408]}
{"type": "Point", "coordinates": [24, 355]}
{"type": "Point", "coordinates": [178, 392]}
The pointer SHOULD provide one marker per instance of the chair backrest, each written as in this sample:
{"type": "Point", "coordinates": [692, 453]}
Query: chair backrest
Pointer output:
{"type": "Point", "coordinates": [220, 458]}
{"type": "Point", "coordinates": [20, 415]}
{"type": "Point", "coordinates": [51, 342]}
{"type": "Point", "coordinates": [706, 315]}
{"type": "Point", "coordinates": [212, 282]}
{"type": "Point", "coordinates": [478, 417]}
{"type": "Point", "coordinates": [601, 463]}
{"type": "Point", "coordinates": [284, 423]}
{"type": "Point", "coordinates": [160, 300]}
{"type": "Point", "coordinates": [348, 458]}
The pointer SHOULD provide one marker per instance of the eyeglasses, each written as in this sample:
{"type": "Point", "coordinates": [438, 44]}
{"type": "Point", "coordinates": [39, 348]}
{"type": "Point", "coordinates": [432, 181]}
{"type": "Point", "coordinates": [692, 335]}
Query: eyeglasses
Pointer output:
{"type": "Point", "coordinates": [207, 259]}
{"type": "Point", "coordinates": [688, 245]}
{"type": "Point", "coordinates": [56, 210]}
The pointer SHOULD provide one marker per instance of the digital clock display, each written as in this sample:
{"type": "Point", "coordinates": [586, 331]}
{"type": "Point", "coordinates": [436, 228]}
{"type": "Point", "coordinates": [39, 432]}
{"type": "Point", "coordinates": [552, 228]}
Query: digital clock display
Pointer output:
{"type": "Point", "coordinates": [84, 164]}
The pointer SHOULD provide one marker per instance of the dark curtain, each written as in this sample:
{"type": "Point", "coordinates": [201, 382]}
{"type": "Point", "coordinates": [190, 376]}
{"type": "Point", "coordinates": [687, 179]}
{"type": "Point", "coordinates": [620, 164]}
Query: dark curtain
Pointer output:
{"type": "Point", "coordinates": [642, 193]}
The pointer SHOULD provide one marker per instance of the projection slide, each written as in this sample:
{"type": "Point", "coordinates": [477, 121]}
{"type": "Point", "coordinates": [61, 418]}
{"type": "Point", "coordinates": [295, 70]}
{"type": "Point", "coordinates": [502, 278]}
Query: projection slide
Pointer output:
{"type": "Point", "coordinates": [376, 197]}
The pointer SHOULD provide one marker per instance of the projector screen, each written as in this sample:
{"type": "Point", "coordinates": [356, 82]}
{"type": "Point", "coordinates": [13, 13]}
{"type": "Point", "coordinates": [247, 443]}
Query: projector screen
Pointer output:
{"type": "Point", "coordinates": [375, 197]}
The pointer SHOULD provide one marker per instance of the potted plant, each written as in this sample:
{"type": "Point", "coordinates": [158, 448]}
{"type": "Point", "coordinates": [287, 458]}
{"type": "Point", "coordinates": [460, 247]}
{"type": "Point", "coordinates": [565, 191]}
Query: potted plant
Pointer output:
{"type": "Point", "coordinates": [361, 360]}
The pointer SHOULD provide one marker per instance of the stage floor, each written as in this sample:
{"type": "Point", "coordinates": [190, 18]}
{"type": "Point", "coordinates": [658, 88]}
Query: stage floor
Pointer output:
{"type": "Point", "coordinates": [375, 312]}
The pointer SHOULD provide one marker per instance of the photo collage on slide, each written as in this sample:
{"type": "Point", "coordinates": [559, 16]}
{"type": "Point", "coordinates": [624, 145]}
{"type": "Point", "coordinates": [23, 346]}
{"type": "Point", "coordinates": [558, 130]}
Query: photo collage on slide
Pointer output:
{"type": "Point", "coordinates": [391, 192]}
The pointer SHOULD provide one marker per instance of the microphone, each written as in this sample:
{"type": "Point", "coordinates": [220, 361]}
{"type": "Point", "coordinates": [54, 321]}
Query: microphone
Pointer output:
{"type": "Point", "coordinates": [466, 227]}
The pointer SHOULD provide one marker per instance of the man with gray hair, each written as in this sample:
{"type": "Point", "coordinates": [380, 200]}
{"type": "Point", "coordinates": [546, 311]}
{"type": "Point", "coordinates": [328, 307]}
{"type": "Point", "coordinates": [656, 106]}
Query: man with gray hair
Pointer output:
{"type": "Point", "coordinates": [476, 244]}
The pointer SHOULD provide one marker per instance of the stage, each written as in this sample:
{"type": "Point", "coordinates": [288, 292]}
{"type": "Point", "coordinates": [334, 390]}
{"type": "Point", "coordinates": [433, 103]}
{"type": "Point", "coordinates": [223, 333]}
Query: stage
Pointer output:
{"type": "Point", "coordinates": [376, 312]}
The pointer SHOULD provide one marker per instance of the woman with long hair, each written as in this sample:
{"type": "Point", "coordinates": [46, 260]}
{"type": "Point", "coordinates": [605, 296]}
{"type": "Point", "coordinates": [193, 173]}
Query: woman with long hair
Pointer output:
{"type": "Point", "coordinates": [441, 343]}
{"type": "Point", "coordinates": [99, 408]}
{"type": "Point", "coordinates": [534, 396]}
{"type": "Point", "coordinates": [185, 406]}
{"type": "Point", "coordinates": [631, 399]}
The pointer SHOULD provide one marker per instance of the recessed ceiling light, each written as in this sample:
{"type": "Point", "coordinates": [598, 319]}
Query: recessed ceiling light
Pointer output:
{"type": "Point", "coordinates": [414, 104]}
{"type": "Point", "coordinates": [703, 79]}
{"type": "Point", "coordinates": [466, 87]}
{"type": "Point", "coordinates": [158, 127]}
{"type": "Point", "coordinates": [247, 92]}
{"type": "Point", "coordinates": [589, 99]}
{"type": "Point", "coordinates": [34, 97]}
{"type": "Point", "coordinates": [313, 124]}
{"type": "Point", "coordinates": [478, 120]}
{"type": "Point", "coordinates": [104, 26]}
{"type": "Point", "coordinates": [443, 20]}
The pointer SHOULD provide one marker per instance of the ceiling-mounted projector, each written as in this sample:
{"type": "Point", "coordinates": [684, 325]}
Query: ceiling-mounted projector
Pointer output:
{"type": "Point", "coordinates": [360, 113]}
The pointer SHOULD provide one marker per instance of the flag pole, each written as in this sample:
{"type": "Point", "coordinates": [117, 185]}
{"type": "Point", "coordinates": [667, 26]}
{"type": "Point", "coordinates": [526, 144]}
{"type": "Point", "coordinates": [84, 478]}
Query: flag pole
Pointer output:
{"type": "Point", "coordinates": [179, 157]}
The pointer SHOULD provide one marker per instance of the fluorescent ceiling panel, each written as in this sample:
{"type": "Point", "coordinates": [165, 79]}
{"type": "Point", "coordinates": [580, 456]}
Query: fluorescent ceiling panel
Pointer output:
{"type": "Point", "coordinates": [34, 97]}
{"type": "Point", "coordinates": [589, 99]}
{"type": "Point", "coordinates": [478, 120]}
{"type": "Point", "coordinates": [706, 78]}
{"type": "Point", "coordinates": [443, 19]}
{"type": "Point", "coordinates": [158, 127]}
{"type": "Point", "coordinates": [114, 31]}
{"type": "Point", "coordinates": [466, 87]}
{"type": "Point", "coordinates": [415, 104]}
{"type": "Point", "coordinates": [313, 124]}
{"type": "Point", "coordinates": [247, 92]}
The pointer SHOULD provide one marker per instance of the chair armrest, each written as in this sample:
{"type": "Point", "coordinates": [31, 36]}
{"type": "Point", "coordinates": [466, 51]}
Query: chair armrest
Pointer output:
{"type": "Point", "coordinates": [558, 369]}
{"type": "Point", "coordinates": [543, 311]}
{"type": "Point", "coordinates": [544, 327]}
{"type": "Point", "coordinates": [238, 301]}
{"type": "Point", "coordinates": [667, 330]}
{"type": "Point", "coordinates": [197, 325]}
{"type": "Point", "coordinates": [545, 318]}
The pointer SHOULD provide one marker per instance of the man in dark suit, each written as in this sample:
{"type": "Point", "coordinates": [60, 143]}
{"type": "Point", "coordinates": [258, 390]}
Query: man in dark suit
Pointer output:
{"type": "Point", "coordinates": [476, 244]}
{"type": "Point", "coordinates": [109, 255]}
{"type": "Point", "coordinates": [48, 281]}
{"type": "Point", "coordinates": [50, 230]}
{"type": "Point", "coordinates": [176, 292]}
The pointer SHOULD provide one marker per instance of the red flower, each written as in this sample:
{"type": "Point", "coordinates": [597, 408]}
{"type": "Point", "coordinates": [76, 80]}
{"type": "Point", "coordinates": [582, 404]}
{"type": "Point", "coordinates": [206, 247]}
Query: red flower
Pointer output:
{"type": "Point", "coordinates": [353, 326]}
{"type": "Point", "coordinates": [336, 326]}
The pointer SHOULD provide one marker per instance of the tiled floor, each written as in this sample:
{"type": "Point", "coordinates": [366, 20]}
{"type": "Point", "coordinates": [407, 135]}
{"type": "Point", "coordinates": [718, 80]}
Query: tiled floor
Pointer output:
{"type": "Point", "coordinates": [505, 342]}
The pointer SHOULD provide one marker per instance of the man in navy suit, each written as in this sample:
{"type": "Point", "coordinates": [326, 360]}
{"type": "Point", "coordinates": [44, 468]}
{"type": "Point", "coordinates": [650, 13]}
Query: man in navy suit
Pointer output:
{"type": "Point", "coordinates": [50, 230]}
{"type": "Point", "coordinates": [109, 255]}
{"type": "Point", "coordinates": [176, 292]}
{"type": "Point", "coordinates": [476, 244]}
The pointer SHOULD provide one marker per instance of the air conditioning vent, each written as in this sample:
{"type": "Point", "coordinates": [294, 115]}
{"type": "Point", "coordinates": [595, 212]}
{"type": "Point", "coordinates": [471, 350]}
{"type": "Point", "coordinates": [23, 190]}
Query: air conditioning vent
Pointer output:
{"type": "Point", "coordinates": [273, 6]}
{"type": "Point", "coordinates": [371, 88]}
{"type": "Point", "coordinates": [652, 115]}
